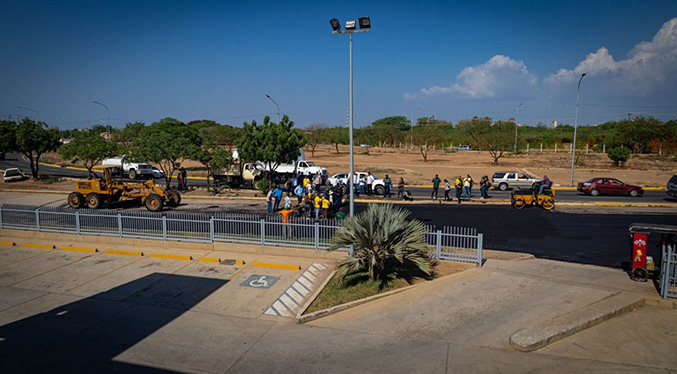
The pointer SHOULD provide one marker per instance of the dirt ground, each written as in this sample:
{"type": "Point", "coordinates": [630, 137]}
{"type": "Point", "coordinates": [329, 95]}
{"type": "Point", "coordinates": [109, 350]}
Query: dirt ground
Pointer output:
{"type": "Point", "coordinates": [645, 170]}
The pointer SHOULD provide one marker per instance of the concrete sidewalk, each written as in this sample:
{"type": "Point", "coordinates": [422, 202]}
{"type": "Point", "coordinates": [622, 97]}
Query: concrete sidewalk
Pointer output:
{"type": "Point", "coordinates": [58, 315]}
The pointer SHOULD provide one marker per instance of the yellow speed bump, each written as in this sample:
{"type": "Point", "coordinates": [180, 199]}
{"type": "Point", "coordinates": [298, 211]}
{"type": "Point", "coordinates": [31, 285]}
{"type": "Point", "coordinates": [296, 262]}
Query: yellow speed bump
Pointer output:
{"type": "Point", "coordinates": [171, 257]}
{"type": "Point", "coordinates": [120, 252]}
{"type": "Point", "coordinates": [8, 244]}
{"type": "Point", "coordinates": [43, 246]}
{"type": "Point", "coordinates": [277, 266]}
{"type": "Point", "coordinates": [210, 259]}
{"type": "Point", "coordinates": [79, 249]}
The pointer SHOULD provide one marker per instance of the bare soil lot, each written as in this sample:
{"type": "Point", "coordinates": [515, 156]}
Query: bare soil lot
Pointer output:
{"type": "Point", "coordinates": [646, 170]}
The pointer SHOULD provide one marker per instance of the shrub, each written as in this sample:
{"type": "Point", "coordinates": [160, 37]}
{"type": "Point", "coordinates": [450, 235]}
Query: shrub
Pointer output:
{"type": "Point", "coordinates": [619, 155]}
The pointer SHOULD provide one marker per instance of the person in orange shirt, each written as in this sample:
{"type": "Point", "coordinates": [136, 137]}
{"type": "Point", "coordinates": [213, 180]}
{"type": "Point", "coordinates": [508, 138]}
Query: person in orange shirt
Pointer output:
{"type": "Point", "coordinates": [286, 221]}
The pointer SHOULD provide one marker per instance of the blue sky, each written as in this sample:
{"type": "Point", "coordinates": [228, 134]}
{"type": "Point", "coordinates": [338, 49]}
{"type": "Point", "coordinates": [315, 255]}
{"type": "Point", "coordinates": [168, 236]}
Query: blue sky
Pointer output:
{"type": "Point", "coordinates": [217, 60]}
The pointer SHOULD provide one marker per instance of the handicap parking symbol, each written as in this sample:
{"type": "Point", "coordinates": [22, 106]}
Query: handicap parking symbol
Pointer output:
{"type": "Point", "coordinates": [259, 281]}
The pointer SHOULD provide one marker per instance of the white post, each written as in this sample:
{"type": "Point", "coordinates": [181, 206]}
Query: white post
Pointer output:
{"type": "Point", "coordinates": [541, 147]}
{"type": "Point", "coordinates": [604, 148]}
{"type": "Point", "coordinates": [555, 147]}
{"type": "Point", "coordinates": [586, 148]}
{"type": "Point", "coordinates": [527, 149]}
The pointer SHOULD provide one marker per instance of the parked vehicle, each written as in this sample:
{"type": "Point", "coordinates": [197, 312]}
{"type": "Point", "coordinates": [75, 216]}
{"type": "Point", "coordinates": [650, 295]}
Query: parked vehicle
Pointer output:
{"type": "Point", "coordinates": [2, 155]}
{"type": "Point", "coordinates": [132, 169]}
{"type": "Point", "coordinates": [157, 173]}
{"type": "Point", "coordinates": [672, 186]}
{"type": "Point", "coordinates": [464, 148]}
{"type": "Point", "coordinates": [94, 193]}
{"type": "Point", "coordinates": [379, 187]}
{"type": "Point", "coordinates": [608, 186]}
{"type": "Point", "coordinates": [234, 176]}
{"type": "Point", "coordinates": [302, 168]}
{"type": "Point", "coordinates": [504, 180]}
{"type": "Point", "coordinates": [13, 175]}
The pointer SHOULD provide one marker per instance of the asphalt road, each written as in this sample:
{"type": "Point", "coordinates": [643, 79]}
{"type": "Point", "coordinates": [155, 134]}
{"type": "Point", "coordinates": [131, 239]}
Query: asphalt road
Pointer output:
{"type": "Point", "coordinates": [599, 239]}
{"type": "Point", "coordinates": [650, 196]}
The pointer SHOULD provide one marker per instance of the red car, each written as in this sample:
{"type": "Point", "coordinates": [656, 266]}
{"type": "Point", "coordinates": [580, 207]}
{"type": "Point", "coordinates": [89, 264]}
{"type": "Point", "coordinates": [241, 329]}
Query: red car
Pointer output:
{"type": "Point", "coordinates": [608, 186]}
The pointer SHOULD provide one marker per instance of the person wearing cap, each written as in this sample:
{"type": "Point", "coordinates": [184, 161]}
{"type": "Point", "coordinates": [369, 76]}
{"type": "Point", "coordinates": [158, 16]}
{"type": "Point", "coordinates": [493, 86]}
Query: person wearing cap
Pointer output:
{"type": "Point", "coordinates": [325, 207]}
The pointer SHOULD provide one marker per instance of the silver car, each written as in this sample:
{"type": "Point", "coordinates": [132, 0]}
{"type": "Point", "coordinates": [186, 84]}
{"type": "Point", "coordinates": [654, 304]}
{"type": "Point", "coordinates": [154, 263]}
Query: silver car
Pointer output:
{"type": "Point", "coordinates": [504, 180]}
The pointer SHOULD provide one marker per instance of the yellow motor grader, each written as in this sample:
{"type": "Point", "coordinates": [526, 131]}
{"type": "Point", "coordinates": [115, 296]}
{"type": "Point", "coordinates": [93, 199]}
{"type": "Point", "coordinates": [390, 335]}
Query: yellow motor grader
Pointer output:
{"type": "Point", "coordinates": [95, 192]}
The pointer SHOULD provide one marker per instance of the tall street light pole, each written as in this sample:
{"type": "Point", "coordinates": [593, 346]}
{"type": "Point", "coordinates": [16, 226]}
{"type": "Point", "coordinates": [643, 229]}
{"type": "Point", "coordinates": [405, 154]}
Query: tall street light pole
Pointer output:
{"type": "Point", "coordinates": [278, 107]}
{"type": "Point", "coordinates": [107, 111]}
{"type": "Point", "coordinates": [411, 128]}
{"type": "Point", "coordinates": [517, 118]}
{"type": "Point", "coordinates": [32, 110]}
{"type": "Point", "coordinates": [573, 149]}
{"type": "Point", "coordinates": [365, 26]}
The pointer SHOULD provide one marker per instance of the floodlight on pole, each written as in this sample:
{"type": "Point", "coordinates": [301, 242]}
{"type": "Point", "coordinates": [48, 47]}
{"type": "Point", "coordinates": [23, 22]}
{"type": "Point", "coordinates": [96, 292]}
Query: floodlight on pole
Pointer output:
{"type": "Point", "coordinates": [365, 26]}
{"type": "Point", "coordinates": [32, 110]}
{"type": "Point", "coordinates": [573, 148]}
{"type": "Point", "coordinates": [278, 107]}
{"type": "Point", "coordinates": [517, 117]}
{"type": "Point", "coordinates": [107, 111]}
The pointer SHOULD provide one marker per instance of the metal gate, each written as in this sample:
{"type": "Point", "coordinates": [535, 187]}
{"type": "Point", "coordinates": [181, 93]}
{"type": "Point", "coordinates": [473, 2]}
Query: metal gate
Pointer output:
{"type": "Point", "coordinates": [669, 271]}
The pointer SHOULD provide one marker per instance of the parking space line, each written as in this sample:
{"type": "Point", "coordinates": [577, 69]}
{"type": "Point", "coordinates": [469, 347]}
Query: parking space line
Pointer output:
{"type": "Point", "coordinates": [239, 271]}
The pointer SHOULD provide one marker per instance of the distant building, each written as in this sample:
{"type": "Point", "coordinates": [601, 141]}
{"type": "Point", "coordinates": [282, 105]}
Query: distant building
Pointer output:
{"type": "Point", "coordinates": [554, 124]}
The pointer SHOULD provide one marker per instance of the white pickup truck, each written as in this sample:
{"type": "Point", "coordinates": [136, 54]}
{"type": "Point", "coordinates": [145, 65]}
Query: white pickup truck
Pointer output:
{"type": "Point", "coordinates": [133, 169]}
{"type": "Point", "coordinates": [302, 168]}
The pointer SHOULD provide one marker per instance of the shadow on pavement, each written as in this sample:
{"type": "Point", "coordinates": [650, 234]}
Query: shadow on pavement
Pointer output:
{"type": "Point", "coordinates": [87, 335]}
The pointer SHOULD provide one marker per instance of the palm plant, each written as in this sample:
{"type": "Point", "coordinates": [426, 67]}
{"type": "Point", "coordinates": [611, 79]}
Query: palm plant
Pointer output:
{"type": "Point", "coordinates": [384, 243]}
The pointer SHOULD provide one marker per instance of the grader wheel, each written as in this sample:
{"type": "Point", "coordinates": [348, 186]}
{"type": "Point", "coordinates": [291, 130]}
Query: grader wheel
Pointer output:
{"type": "Point", "coordinates": [154, 203]}
{"type": "Point", "coordinates": [174, 198]}
{"type": "Point", "coordinates": [94, 201]}
{"type": "Point", "coordinates": [76, 200]}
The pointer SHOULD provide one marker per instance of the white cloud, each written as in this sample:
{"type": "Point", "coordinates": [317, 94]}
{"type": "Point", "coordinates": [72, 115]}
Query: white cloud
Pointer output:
{"type": "Point", "coordinates": [649, 65]}
{"type": "Point", "coordinates": [495, 77]}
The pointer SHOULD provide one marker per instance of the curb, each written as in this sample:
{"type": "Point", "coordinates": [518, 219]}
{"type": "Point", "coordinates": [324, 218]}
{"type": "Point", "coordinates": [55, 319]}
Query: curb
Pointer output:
{"type": "Point", "coordinates": [540, 335]}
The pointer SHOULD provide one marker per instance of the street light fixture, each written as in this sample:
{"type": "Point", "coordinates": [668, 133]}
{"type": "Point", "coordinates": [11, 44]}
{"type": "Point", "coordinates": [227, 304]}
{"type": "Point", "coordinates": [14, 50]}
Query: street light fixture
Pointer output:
{"type": "Point", "coordinates": [573, 149]}
{"type": "Point", "coordinates": [517, 118]}
{"type": "Point", "coordinates": [411, 128]}
{"type": "Point", "coordinates": [365, 26]}
{"type": "Point", "coordinates": [107, 111]}
{"type": "Point", "coordinates": [278, 107]}
{"type": "Point", "coordinates": [32, 110]}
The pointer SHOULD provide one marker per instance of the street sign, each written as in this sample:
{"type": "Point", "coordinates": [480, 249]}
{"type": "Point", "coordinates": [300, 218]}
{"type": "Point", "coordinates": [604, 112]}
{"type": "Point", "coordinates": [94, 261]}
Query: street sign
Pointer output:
{"type": "Point", "coordinates": [259, 281]}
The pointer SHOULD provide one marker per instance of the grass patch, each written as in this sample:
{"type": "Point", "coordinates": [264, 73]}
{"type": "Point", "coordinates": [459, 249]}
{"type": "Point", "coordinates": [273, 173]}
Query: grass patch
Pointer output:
{"type": "Point", "coordinates": [335, 294]}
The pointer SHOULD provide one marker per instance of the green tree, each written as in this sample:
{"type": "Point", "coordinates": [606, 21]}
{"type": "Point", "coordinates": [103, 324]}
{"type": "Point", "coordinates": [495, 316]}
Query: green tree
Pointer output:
{"type": "Point", "coordinates": [638, 132]}
{"type": "Point", "coordinates": [33, 139]}
{"type": "Point", "coordinates": [130, 133]}
{"type": "Point", "coordinates": [216, 150]}
{"type": "Point", "coordinates": [619, 155]}
{"type": "Point", "coordinates": [424, 135]}
{"type": "Point", "coordinates": [316, 134]}
{"type": "Point", "coordinates": [271, 143]}
{"type": "Point", "coordinates": [89, 148]}
{"type": "Point", "coordinates": [338, 135]}
{"type": "Point", "coordinates": [7, 136]}
{"type": "Point", "coordinates": [496, 138]}
{"type": "Point", "coordinates": [166, 143]}
{"type": "Point", "coordinates": [392, 129]}
{"type": "Point", "coordinates": [385, 245]}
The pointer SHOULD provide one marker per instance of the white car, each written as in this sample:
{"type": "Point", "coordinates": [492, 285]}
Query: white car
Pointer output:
{"type": "Point", "coordinates": [378, 186]}
{"type": "Point", "coordinates": [464, 148]}
{"type": "Point", "coordinates": [157, 173]}
{"type": "Point", "coordinates": [13, 174]}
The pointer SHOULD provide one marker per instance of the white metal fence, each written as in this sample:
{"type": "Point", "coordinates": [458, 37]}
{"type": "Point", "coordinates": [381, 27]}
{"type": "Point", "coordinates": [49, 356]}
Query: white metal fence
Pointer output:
{"type": "Point", "coordinates": [450, 243]}
{"type": "Point", "coordinates": [668, 281]}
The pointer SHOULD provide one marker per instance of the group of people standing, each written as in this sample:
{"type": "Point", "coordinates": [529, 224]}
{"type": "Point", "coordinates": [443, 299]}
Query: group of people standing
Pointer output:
{"type": "Point", "coordinates": [182, 179]}
{"type": "Point", "coordinates": [463, 187]}
{"type": "Point", "coordinates": [317, 201]}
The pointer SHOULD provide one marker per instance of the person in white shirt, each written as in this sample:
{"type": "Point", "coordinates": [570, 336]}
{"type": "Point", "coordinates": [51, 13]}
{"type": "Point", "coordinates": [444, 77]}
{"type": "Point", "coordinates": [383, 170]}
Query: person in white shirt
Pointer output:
{"type": "Point", "coordinates": [370, 180]}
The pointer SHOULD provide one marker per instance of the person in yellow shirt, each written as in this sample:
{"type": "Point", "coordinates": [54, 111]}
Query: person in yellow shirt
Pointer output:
{"type": "Point", "coordinates": [325, 207]}
{"type": "Point", "coordinates": [318, 206]}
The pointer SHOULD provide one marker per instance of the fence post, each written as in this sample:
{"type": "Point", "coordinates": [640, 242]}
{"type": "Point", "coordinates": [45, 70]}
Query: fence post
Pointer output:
{"type": "Point", "coordinates": [37, 219]}
{"type": "Point", "coordinates": [211, 229]}
{"type": "Point", "coordinates": [164, 227]}
{"type": "Point", "coordinates": [0, 217]}
{"type": "Point", "coordinates": [480, 238]}
{"type": "Point", "coordinates": [438, 244]}
{"type": "Point", "coordinates": [77, 221]}
{"type": "Point", "coordinates": [317, 235]}
{"type": "Point", "coordinates": [119, 224]}
{"type": "Point", "coordinates": [351, 251]}
{"type": "Point", "coordinates": [263, 232]}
